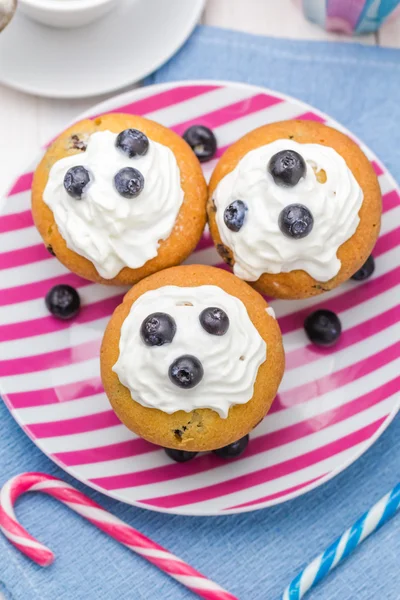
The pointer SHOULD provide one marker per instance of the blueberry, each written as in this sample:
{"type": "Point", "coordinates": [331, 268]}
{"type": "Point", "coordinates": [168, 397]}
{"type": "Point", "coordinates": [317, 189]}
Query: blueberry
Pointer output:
{"type": "Point", "coordinates": [296, 221]}
{"type": "Point", "coordinates": [287, 168]}
{"type": "Point", "coordinates": [132, 142]}
{"type": "Point", "coordinates": [75, 181]}
{"type": "Point", "coordinates": [63, 302]}
{"type": "Point", "coordinates": [158, 329]}
{"type": "Point", "coordinates": [202, 141]}
{"type": "Point", "coordinates": [129, 182]}
{"type": "Point", "coordinates": [233, 450]}
{"type": "Point", "coordinates": [366, 270]}
{"type": "Point", "coordinates": [186, 371]}
{"type": "Point", "coordinates": [323, 327]}
{"type": "Point", "coordinates": [179, 455]}
{"type": "Point", "coordinates": [234, 215]}
{"type": "Point", "coordinates": [214, 320]}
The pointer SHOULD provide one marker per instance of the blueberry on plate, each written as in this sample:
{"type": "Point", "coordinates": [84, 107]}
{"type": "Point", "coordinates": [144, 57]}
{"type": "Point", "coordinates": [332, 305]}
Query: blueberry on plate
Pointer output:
{"type": "Point", "coordinates": [158, 329]}
{"type": "Point", "coordinates": [179, 455]}
{"type": "Point", "coordinates": [233, 450]}
{"type": "Point", "coordinates": [366, 270]}
{"type": "Point", "coordinates": [132, 142]}
{"type": "Point", "coordinates": [323, 327]}
{"type": "Point", "coordinates": [214, 320]}
{"type": "Point", "coordinates": [235, 214]}
{"type": "Point", "coordinates": [202, 141]}
{"type": "Point", "coordinates": [296, 221]}
{"type": "Point", "coordinates": [129, 182]}
{"type": "Point", "coordinates": [63, 302]}
{"type": "Point", "coordinates": [186, 371]}
{"type": "Point", "coordinates": [76, 180]}
{"type": "Point", "coordinates": [287, 168]}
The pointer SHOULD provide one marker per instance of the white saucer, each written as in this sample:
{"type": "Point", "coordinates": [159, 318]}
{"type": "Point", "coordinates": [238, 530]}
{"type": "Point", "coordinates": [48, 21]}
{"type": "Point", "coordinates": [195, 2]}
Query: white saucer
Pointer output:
{"type": "Point", "coordinates": [114, 52]}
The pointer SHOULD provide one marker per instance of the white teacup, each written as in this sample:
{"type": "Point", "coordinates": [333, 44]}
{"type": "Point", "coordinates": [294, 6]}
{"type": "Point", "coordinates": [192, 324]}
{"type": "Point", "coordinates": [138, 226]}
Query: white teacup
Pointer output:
{"type": "Point", "coordinates": [65, 13]}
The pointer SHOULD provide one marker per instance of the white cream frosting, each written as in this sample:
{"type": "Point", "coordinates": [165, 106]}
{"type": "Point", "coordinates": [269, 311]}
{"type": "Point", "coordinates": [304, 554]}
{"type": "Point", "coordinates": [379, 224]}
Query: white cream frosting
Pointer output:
{"type": "Point", "coordinates": [230, 361]}
{"type": "Point", "coordinates": [260, 246]}
{"type": "Point", "coordinates": [112, 231]}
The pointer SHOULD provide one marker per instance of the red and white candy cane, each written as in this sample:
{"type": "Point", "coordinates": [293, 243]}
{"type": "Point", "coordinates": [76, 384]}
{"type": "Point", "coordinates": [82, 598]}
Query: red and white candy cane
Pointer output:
{"type": "Point", "coordinates": [114, 527]}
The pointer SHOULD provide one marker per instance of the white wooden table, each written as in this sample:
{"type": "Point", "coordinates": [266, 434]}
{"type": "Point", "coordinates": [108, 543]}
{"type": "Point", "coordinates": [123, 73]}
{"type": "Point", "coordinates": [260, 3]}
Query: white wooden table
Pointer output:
{"type": "Point", "coordinates": [27, 122]}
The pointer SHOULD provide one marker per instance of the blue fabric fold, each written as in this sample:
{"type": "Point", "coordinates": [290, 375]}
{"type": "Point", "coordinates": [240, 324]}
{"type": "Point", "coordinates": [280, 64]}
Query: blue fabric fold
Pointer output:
{"type": "Point", "coordinates": [254, 555]}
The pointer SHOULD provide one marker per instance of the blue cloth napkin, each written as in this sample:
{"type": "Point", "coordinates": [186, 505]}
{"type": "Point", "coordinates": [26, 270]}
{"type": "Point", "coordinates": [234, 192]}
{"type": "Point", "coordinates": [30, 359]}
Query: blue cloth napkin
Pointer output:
{"type": "Point", "coordinates": [253, 555]}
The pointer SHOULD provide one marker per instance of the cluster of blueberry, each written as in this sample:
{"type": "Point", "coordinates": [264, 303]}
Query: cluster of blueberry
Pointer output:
{"type": "Point", "coordinates": [187, 371]}
{"type": "Point", "coordinates": [295, 220]}
{"type": "Point", "coordinates": [159, 328]}
{"type": "Point", "coordinates": [129, 182]}
{"type": "Point", "coordinates": [323, 327]}
{"type": "Point", "coordinates": [231, 451]}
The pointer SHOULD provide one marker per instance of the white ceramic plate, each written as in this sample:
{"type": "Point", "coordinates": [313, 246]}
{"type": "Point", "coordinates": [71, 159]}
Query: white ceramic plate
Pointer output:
{"type": "Point", "coordinates": [332, 405]}
{"type": "Point", "coordinates": [120, 49]}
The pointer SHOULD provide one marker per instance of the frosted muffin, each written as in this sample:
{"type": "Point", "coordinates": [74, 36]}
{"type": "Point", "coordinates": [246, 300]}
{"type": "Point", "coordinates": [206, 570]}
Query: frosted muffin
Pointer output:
{"type": "Point", "coordinates": [192, 358]}
{"type": "Point", "coordinates": [294, 207]}
{"type": "Point", "coordinates": [119, 197]}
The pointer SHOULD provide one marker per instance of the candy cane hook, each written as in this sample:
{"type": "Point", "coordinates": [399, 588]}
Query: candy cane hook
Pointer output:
{"type": "Point", "coordinates": [111, 525]}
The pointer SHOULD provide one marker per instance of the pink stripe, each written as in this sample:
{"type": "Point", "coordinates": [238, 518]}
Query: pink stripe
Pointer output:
{"type": "Point", "coordinates": [85, 424]}
{"type": "Point", "coordinates": [390, 200]}
{"type": "Point", "coordinates": [159, 101]}
{"type": "Point", "coordinates": [259, 445]}
{"type": "Point", "coordinates": [220, 150]}
{"type": "Point", "coordinates": [224, 267]}
{"type": "Point", "coordinates": [387, 242]}
{"type": "Point", "coordinates": [23, 184]}
{"type": "Point", "coordinates": [331, 382]}
{"type": "Point", "coordinates": [165, 99]}
{"type": "Point", "coordinates": [308, 354]}
{"type": "Point", "coordinates": [19, 220]}
{"type": "Point", "coordinates": [127, 449]}
{"type": "Point", "coordinates": [39, 289]}
{"type": "Point", "coordinates": [268, 473]}
{"type": "Point", "coordinates": [62, 393]}
{"type": "Point", "coordinates": [205, 242]}
{"type": "Point", "coordinates": [279, 494]}
{"type": "Point", "coordinates": [310, 116]}
{"type": "Point", "coordinates": [88, 313]}
{"type": "Point", "coordinates": [230, 113]}
{"type": "Point", "coordinates": [357, 295]}
{"type": "Point", "coordinates": [50, 360]}
{"type": "Point", "coordinates": [377, 168]}
{"type": "Point", "coordinates": [24, 256]}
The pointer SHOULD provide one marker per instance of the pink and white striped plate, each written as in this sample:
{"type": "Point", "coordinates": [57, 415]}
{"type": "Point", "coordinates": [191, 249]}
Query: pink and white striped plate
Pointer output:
{"type": "Point", "coordinates": [333, 404]}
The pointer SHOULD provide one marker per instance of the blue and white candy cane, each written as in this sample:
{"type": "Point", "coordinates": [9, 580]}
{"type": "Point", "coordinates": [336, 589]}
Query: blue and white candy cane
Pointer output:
{"type": "Point", "coordinates": [381, 512]}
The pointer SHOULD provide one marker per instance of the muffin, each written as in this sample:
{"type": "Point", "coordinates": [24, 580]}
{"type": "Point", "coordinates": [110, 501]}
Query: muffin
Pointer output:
{"type": "Point", "coordinates": [192, 358]}
{"type": "Point", "coordinates": [119, 197]}
{"type": "Point", "coordinates": [294, 207]}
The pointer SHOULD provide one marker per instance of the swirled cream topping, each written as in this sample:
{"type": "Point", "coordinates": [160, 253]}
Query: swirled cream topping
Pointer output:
{"type": "Point", "coordinates": [329, 190]}
{"type": "Point", "coordinates": [108, 229]}
{"type": "Point", "coordinates": [230, 361]}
